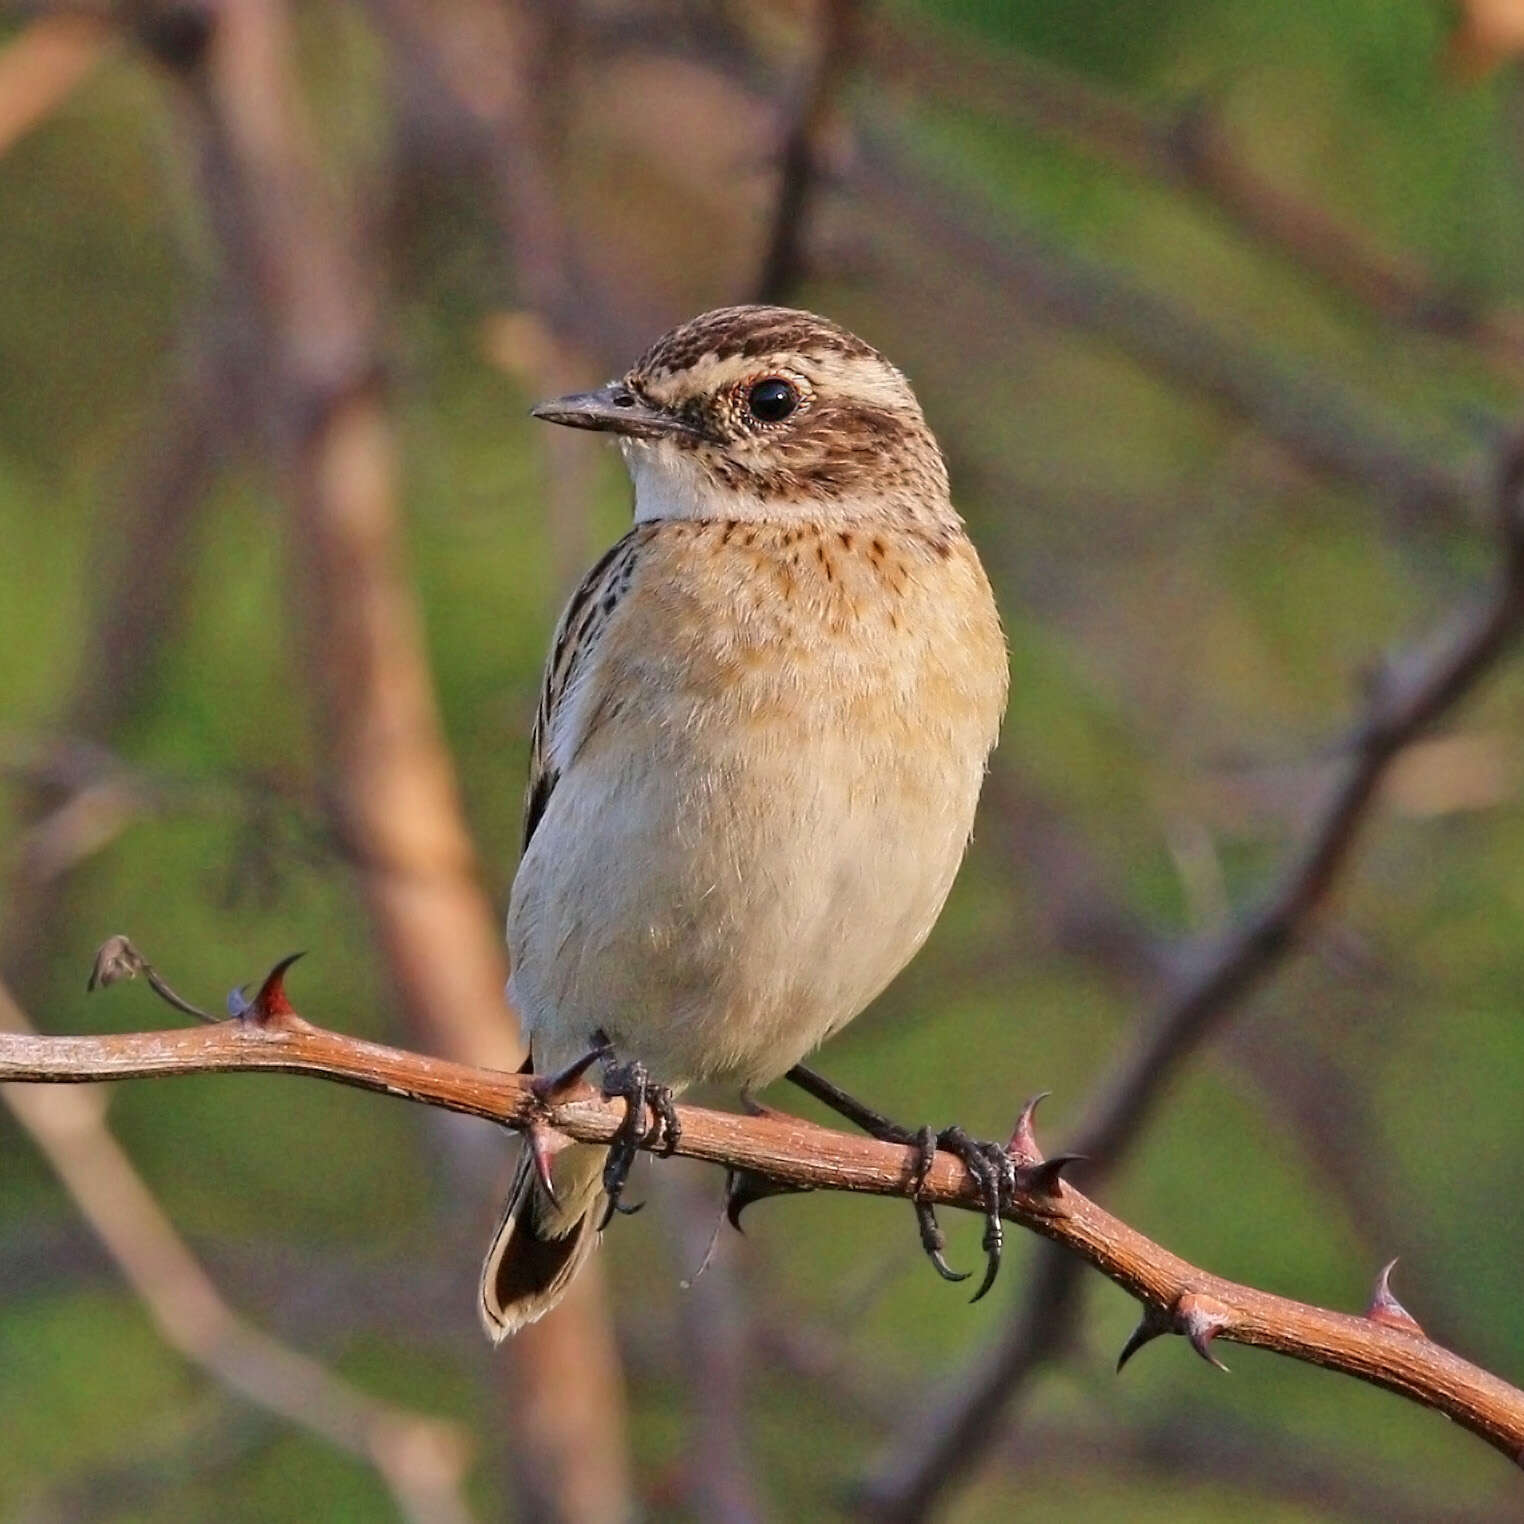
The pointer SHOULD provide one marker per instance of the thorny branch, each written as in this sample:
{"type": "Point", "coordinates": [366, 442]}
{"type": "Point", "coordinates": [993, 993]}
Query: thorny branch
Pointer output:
{"type": "Point", "coordinates": [422, 1461]}
{"type": "Point", "coordinates": [1405, 699]}
{"type": "Point", "coordinates": [1384, 1347]}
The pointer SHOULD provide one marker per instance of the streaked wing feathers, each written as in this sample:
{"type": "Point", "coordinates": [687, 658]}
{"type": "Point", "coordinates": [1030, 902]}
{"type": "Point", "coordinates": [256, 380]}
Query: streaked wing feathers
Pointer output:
{"type": "Point", "coordinates": [581, 628]}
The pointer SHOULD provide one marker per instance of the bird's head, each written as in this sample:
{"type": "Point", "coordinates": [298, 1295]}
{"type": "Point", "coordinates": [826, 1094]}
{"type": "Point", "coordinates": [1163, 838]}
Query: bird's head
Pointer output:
{"type": "Point", "coordinates": [767, 413]}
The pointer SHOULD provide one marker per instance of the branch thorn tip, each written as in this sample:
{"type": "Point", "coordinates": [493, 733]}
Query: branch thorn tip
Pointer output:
{"type": "Point", "coordinates": [1386, 1309]}
{"type": "Point", "coordinates": [1023, 1142]}
{"type": "Point", "coordinates": [271, 1003]}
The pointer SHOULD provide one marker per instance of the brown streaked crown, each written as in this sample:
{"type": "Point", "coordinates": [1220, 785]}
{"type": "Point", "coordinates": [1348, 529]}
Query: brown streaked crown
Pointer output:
{"type": "Point", "coordinates": [855, 440]}
{"type": "Point", "coordinates": [749, 333]}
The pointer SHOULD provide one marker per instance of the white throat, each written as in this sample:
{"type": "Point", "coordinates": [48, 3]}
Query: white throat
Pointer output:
{"type": "Point", "coordinates": [670, 485]}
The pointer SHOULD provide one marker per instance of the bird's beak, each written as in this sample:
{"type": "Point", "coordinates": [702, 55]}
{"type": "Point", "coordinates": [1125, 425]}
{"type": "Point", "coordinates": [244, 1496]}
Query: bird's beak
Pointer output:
{"type": "Point", "coordinates": [615, 409]}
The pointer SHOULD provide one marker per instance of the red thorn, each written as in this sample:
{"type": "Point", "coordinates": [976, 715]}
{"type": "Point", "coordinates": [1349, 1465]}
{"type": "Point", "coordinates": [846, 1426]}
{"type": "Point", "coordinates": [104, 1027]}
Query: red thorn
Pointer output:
{"type": "Point", "coordinates": [1151, 1326]}
{"type": "Point", "coordinates": [544, 1144]}
{"type": "Point", "coordinates": [1023, 1142]}
{"type": "Point", "coordinates": [1386, 1309]}
{"type": "Point", "coordinates": [1201, 1318]}
{"type": "Point", "coordinates": [554, 1087]}
{"type": "Point", "coordinates": [1045, 1177]}
{"type": "Point", "coordinates": [271, 1003]}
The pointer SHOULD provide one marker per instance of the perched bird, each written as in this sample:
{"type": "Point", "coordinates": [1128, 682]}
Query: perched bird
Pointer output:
{"type": "Point", "coordinates": [764, 724]}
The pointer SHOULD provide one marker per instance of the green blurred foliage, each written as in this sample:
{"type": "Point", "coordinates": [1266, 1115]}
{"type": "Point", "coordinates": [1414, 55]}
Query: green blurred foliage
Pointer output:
{"type": "Point", "coordinates": [1188, 614]}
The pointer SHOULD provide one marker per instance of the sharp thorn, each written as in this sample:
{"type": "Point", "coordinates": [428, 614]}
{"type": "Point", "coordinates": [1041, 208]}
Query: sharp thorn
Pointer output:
{"type": "Point", "coordinates": [1043, 1178]}
{"type": "Point", "coordinates": [1201, 1342]}
{"type": "Point", "coordinates": [743, 1187]}
{"type": "Point", "coordinates": [1386, 1309]}
{"type": "Point", "coordinates": [553, 1087]}
{"type": "Point", "coordinates": [544, 1144]}
{"type": "Point", "coordinates": [1152, 1325]}
{"type": "Point", "coordinates": [271, 1002]}
{"type": "Point", "coordinates": [1023, 1142]}
{"type": "Point", "coordinates": [736, 1201]}
{"type": "Point", "coordinates": [1201, 1319]}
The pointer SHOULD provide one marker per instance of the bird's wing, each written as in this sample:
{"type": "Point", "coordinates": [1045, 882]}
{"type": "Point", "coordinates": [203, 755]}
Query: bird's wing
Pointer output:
{"type": "Point", "coordinates": [581, 629]}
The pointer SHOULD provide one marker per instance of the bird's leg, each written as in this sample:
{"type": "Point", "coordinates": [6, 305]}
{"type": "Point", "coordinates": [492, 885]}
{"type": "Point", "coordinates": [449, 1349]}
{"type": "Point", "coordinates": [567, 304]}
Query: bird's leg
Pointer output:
{"type": "Point", "coordinates": [992, 1168]}
{"type": "Point", "coordinates": [994, 1172]}
{"type": "Point", "coordinates": [631, 1082]}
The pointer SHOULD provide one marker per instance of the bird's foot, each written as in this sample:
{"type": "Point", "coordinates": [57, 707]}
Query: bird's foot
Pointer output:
{"type": "Point", "coordinates": [631, 1083]}
{"type": "Point", "coordinates": [994, 1169]}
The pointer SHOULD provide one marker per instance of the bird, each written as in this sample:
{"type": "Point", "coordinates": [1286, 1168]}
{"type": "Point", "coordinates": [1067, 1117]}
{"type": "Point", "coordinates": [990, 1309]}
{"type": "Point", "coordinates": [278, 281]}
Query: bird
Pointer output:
{"type": "Point", "coordinates": [764, 724]}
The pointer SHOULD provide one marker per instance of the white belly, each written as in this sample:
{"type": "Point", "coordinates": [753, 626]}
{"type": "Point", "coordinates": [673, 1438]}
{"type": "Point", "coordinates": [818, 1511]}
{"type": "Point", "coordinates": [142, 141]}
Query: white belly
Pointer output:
{"type": "Point", "coordinates": [722, 924]}
{"type": "Point", "coordinates": [770, 779]}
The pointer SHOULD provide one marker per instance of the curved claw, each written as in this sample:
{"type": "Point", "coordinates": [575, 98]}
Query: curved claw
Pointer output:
{"type": "Point", "coordinates": [933, 1242]}
{"type": "Point", "coordinates": [992, 1172]}
{"type": "Point", "coordinates": [991, 1270]}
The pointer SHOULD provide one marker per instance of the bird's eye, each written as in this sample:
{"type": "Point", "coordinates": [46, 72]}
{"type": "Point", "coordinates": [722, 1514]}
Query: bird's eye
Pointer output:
{"type": "Point", "coordinates": [772, 400]}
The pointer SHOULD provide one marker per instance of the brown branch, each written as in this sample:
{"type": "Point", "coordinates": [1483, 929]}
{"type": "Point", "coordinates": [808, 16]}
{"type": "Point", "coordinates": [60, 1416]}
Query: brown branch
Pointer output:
{"type": "Point", "coordinates": [1176, 1296]}
{"type": "Point", "coordinates": [832, 50]}
{"type": "Point", "coordinates": [390, 789]}
{"type": "Point", "coordinates": [1407, 697]}
{"type": "Point", "coordinates": [422, 1461]}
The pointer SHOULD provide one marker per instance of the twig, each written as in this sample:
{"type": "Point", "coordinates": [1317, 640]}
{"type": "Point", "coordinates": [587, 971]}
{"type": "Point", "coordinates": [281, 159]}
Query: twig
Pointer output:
{"type": "Point", "coordinates": [421, 1460]}
{"type": "Point", "coordinates": [496, 78]}
{"type": "Point", "coordinates": [799, 161]}
{"type": "Point", "coordinates": [1406, 698]}
{"type": "Point", "coordinates": [1176, 1296]}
